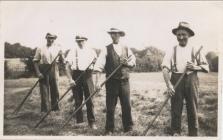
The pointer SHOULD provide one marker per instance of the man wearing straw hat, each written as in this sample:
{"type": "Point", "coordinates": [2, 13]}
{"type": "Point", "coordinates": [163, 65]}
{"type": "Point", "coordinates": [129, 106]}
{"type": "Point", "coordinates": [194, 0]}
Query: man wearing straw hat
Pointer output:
{"type": "Point", "coordinates": [118, 86]}
{"type": "Point", "coordinates": [43, 58]}
{"type": "Point", "coordinates": [180, 57]}
{"type": "Point", "coordinates": [77, 61]}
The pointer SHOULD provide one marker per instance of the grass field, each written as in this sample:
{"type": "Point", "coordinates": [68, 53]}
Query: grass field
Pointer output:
{"type": "Point", "coordinates": [146, 97]}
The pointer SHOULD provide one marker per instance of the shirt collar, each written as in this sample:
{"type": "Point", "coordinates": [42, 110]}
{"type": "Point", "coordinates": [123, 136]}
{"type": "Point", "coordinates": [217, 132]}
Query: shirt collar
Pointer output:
{"type": "Point", "coordinates": [188, 46]}
{"type": "Point", "coordinates": [116, 45]}
{"type": "Point", "coordinates": [79, 49]}
{"type": "Point", "coordinates": [50, 46]}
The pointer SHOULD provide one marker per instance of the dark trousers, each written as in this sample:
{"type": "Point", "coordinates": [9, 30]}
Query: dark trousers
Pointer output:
{"type": "Point", "coordinates": [84, 88]}
{"type": "Point", "coordinates": [48, 89]}
{"type": "Point", "coordinates": [114, 89]}
{"type": "Point", "coordinates": [188, 90]}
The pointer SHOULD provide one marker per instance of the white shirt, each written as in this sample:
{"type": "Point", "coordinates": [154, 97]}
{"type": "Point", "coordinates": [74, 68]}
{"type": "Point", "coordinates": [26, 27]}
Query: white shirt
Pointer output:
{"type": "Point", "coordinates": [45, 54]}
{"type": "Point", "coordinates": [100, 63]}
{"type": "Point", "coordinates": [84, 57]}
{"type": "Point", "coordinates": [183, 55]}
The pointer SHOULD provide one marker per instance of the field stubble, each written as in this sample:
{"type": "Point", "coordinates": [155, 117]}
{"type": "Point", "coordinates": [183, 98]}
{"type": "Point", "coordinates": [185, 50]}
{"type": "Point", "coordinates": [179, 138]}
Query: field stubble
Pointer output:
{"type": "Point", "coordinates": [146, 97]}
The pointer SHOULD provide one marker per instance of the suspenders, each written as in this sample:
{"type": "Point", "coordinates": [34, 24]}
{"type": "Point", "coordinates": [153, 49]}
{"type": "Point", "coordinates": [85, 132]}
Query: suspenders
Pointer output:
{"type": "Point", "coordinates": [192, 55]}
{"type": "Point", "coordinates": [76, 55]}
{"type": "Point", "coordinates": [174, 67]}
{"type": "Point", "coordinates": [174, 63]}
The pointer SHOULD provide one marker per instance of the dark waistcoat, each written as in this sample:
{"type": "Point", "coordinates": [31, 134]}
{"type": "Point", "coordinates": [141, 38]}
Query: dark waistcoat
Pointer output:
{"type": "Point", "coordinates": [112, 62]}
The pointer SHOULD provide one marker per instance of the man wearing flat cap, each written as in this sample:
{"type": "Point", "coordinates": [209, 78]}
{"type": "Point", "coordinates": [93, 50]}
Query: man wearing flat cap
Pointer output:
{"type": "Point", "coordinates": [43, 58]}
{"type": "Point", "coordinates": [77, 61]}
{"type": "Point", "coordinates": [181, 57]}
{"type": "Point", "coordinates": [118, 86]}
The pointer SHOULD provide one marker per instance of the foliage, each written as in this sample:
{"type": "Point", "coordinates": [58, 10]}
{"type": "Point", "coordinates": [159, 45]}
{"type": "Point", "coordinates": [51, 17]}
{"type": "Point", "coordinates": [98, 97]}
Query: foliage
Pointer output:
{"type": "Point", "coordinates": [18, 51]}
{"type": "Point", "coordinates": [148, 59]}
{"type": "Point", "coordinates": [212, 59]}
{"type": "Point", "coordinates": [6, 72]}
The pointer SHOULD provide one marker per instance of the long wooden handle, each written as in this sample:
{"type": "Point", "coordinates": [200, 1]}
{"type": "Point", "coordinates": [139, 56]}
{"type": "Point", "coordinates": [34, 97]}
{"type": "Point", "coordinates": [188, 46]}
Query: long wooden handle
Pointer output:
{"type": "Point", "coordinates": [31, 89]}
{"type": "Point", "coordinates": [164, 103]}
{"type": "Point", "coordinates": [76, 81]}
{"type": "Point", "coordinates": [168, 97]}
{"type": "Point", "coordinates": [102, 84]}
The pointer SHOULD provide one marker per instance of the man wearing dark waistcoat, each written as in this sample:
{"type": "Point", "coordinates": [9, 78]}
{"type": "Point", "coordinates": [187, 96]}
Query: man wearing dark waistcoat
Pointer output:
{"type": "Point", "coordinates": [181, 57]}
{"type": "Point", "coordinates": [118, 86]}
{"type": "Point", "coordinates": [77, 60]}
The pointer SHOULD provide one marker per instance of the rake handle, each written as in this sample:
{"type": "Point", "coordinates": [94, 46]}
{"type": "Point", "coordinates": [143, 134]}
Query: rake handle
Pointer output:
{"type": "Point", "coordinates": [166, 100]}
{"type": "Point", "coordinates": [63, 95]}
{"type": "Point", "coordinates": [30, 91]}
{"type": "Point", "coordinates": [102, 84]}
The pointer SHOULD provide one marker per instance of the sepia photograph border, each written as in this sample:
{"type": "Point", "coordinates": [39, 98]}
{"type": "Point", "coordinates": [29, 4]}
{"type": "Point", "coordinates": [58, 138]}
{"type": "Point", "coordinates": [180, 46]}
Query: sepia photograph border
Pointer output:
{"type": "Point", "coordinates": [220, 113]}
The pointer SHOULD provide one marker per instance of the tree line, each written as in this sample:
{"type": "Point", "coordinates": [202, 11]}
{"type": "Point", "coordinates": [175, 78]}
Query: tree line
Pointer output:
{"type": "Point", "coordinates": [148, 59]}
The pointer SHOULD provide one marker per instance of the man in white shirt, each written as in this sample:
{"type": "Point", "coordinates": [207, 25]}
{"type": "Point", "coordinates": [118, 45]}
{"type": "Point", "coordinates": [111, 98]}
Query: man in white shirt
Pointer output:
{"type": "Point", "coordinates": [180, 58]}
{"type": "Point", "coordinates": [77, 61]}
{"type": "Point", "coordinates": [44, 56]}
{"type": "Point", "coordinates": [118, 85]}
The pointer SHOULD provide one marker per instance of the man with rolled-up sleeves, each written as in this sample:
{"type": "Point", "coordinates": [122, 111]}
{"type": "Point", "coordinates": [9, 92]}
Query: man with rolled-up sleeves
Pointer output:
{"type": "Point", "coordinates": [181, 57]}
{"type": "Point", "coordinates": [43, 58]}
{"type": "Point", "coordinates": [77, 61]}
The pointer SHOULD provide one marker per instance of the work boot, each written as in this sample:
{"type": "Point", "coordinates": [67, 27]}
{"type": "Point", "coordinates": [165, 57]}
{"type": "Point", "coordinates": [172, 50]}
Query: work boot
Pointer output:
{"type": "Point", "coordinates": [93, 126]}
{"type": "Point", "coordinates": [108, 132]}
{"type": "Point", "coordinates": [128, 129]}
{"type": "Point", "coordinates": [55, 108]}
{"type": "Point", "coordinates": [80, 124]}
{"type": "Point", "coordinates": [176, 134]}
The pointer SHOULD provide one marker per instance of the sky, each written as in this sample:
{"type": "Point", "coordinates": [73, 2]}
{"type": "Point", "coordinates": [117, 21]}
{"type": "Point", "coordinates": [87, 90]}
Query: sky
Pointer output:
{"type": "Point", "coordinates": [145, 23]}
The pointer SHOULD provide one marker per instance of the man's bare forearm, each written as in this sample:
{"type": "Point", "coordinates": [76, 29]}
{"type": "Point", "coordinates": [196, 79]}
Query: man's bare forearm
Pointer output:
{"type": "Point", "coordinates": [166, 76]}
{"type": "Point", "coordinates": [36, 66]}
{"type": "Point", "coordinates": [204, 68]}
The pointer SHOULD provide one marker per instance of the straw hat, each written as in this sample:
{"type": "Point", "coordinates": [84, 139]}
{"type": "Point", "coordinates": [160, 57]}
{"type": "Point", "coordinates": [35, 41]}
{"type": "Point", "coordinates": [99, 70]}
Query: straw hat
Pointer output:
{"type": "Point", "coordinates": [184, 26]}
{"type": "Point", "coordinates": [114, 30]}
{"type": "Point", "coordinates": [49, 35]}
{"type": "Point", "coordinates": [81, 38]}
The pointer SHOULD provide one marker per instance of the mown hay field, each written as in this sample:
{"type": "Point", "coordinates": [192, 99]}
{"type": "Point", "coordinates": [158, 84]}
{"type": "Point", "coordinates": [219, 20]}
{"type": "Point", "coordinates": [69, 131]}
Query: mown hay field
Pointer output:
{"type": "Point", "coordinates": [146, 97]}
